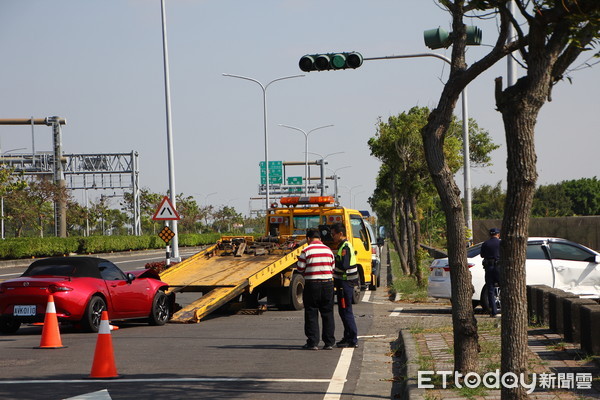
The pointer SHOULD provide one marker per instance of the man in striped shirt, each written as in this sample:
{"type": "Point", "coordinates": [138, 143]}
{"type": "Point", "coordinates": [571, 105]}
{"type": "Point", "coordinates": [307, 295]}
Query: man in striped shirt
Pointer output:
{"type": "Point", "coordinates": [316, 264]}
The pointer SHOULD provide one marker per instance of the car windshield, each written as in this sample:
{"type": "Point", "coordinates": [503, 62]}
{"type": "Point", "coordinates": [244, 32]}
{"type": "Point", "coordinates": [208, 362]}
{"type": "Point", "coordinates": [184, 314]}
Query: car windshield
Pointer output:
{"type": "Point", "coordinates": [75, 267]}
{"type": "Point", "coordinates": [302, 223]}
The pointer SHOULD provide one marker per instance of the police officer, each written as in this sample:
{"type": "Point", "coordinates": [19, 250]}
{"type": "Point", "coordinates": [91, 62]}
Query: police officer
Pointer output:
{"type": "Point", "coordinates": [490, 252]}
{"type": "Point", "coordinates": [345, 278]}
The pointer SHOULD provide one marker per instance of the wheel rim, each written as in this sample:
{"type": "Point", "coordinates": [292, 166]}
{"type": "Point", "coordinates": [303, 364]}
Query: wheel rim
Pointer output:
{"type": "Point", "coordinates": [97, 309]}
{"type": "Point", "coordinates": [162, 309]}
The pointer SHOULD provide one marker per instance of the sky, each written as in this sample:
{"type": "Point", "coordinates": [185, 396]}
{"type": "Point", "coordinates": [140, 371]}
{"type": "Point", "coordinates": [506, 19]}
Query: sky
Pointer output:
{"type": "Point", "coordinates": [99, 64]}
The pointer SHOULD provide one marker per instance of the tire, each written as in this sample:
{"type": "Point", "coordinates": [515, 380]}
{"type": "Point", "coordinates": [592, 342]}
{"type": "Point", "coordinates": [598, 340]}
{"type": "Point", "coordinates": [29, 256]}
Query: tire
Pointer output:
{"type": "Point", "coordinates": [296, 291]}
{"type": "Point", "coordinates": [356, 294]}
{"type": "Point", "coordinates": [93, 314]}
{"type": "Point", "coordinates": [160, 313]}
{"type": "Point", "coordinates": [485, 304]}
{"type": "Point", "coordinates": [9, 325]}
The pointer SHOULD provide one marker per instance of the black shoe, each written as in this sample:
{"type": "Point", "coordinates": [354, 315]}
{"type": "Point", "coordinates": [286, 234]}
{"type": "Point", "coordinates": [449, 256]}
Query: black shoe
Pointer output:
{"type": "Point", "coordinates": [327, 347]}
{"type": "Point", "coordinates": [342, 343]}
{"type": "Point", "coordinates": [308, 347]}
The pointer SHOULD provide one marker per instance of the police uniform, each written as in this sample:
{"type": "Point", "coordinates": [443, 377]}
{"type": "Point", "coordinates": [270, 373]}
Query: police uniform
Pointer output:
{"type": "Point", "coordinates": [490, 252]}
{"type": "Point", "coordinates": [345, 278]}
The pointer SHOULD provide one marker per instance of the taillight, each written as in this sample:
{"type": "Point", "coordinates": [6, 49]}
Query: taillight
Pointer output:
{"type": "Point", "coordinates": [470, 265]}
{"type": "Point", "coordinates": [58, 288]}
{"type": "Point", "coordinates": [447, 268]}
{"type": "Point", "coordinates": [373, 250]}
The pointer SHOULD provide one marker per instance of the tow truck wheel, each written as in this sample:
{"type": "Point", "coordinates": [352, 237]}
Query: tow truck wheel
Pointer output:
{"type": "Point", "coordinates": [296, 291]}
{"type": "Point", "coordinates": [356, 294]}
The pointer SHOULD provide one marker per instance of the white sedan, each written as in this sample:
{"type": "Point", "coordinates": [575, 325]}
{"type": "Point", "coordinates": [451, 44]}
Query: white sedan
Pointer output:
{"type": "Point", "coordinates": [558, 263]}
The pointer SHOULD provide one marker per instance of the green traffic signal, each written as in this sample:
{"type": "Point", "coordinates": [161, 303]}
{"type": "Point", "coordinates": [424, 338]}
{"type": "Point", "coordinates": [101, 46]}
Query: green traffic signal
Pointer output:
{"type": "Point", "coordinates": [439, 37]}
{"type": "Point", "coordinates": [328, 61]}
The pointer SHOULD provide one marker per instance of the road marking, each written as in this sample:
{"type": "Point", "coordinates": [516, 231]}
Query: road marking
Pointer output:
{"type": "Point", "coordinates": [99, 395]}
{"type": "Point", "coordinates": [336, 385]}
{"type": "Point", "coordinates": [367, 296]}
{"type": "Point", "coordinates": [396, 312]}
{"type": "Point", "coordinates": [133, 380]}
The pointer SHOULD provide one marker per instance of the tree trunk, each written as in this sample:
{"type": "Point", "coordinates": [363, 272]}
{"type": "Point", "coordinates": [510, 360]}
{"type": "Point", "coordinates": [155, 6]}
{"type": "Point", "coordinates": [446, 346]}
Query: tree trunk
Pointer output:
{"type": "Point", "coordinates": [466, 345]}
{"type": "Point", "coordinates": [417, 240]}
{"type": "Point", "coordinates": [520, 106]}
{"type": "Point", "coordinates": [395, 228]}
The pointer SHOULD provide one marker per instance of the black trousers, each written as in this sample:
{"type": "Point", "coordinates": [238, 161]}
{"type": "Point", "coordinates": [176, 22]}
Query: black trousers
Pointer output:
{"type": "Point", "coordinates": [318, 298]}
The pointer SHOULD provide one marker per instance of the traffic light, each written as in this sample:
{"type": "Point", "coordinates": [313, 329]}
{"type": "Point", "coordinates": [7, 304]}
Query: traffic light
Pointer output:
{"type": "Point", "coordinates": [322, 62]}
{"type": "Point", "coordinates": [436, 38]}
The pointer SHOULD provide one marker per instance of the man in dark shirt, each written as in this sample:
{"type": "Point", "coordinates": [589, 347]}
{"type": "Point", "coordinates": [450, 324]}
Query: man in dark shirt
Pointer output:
{"type": "Point", "coordinates": [490, 252]}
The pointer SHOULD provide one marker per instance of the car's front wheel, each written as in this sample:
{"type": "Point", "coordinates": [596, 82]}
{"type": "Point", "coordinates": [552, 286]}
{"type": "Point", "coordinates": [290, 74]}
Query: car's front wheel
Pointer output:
{"type": "Point", "coordinates": [160, 309]}
{"type": "Point", "coordinates": [93, 314]}
{"type": "Point", "coordinates": [9, 325]}
{"type": "Point", "coordinates": [485, 304]}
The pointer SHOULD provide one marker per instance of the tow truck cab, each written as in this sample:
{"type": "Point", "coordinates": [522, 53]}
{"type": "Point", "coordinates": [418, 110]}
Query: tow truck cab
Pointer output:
{"type": "Point", "coordinates": [295, 215]}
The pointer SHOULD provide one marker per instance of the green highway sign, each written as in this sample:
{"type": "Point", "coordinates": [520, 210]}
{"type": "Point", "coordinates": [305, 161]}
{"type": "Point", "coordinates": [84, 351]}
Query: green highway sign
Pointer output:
{"type": "Point", "coordinates": [275, 172]}
{"type": "Point", "coordinates": [295, 180]}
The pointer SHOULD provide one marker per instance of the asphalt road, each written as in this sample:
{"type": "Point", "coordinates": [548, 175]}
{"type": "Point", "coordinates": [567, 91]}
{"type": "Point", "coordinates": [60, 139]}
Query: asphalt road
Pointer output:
{"type": "Point", "coordinates": [226, 356]}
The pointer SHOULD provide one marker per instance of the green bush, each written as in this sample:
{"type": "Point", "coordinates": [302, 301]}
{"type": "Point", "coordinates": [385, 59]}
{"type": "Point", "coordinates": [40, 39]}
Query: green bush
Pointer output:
{"type": "Point", "coordinates": [15, 248]}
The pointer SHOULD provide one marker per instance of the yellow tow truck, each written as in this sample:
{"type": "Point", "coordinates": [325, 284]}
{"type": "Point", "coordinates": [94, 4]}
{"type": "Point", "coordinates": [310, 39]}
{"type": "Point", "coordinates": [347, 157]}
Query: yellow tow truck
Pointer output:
{"type": "Point", "coordinates": [247, 268]}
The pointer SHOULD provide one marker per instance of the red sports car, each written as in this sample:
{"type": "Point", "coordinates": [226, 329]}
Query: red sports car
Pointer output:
{"type": "Point", "coordinates": [82, 288]}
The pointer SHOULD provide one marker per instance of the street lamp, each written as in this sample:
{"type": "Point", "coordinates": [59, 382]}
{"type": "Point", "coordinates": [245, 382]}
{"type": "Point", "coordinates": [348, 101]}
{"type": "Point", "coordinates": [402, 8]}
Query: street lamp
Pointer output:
{"type": "Point", "coordinates": [305, 150]}
{"type": "Point", "coordinates": [264, 90]}
{"type": "Point", "coordinates": [323, 168]}
{"type": "Point", "coordinates": [350, 189]}
{"type": "Point", "coordinates": [170, 157]}
{"type": "Point", "coordinates": [335, 183]}
{"type": "Point", "coordinates": [353, 204]}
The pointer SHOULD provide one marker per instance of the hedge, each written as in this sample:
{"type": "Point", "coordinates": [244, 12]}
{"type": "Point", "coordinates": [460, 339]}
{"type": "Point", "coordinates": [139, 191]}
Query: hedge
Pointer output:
{"type": "Point", "coordinates": [15, 248]}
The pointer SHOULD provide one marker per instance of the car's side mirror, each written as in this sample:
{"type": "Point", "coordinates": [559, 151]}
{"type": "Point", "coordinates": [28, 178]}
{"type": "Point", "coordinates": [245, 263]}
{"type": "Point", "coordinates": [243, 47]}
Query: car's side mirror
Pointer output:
{"type": "Point", "coordinates": [130, 277]}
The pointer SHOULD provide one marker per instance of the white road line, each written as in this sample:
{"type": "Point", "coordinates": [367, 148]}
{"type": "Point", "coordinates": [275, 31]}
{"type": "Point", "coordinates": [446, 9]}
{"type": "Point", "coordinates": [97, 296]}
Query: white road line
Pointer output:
{"type": "Point", "coordinates": [336, 385]}
{"type": "Point", "coordinates": [396, 312]}
{"type": "Point", "coordinates": [200, 380]}
{"type": "Point", "coordinates": [367, 296]}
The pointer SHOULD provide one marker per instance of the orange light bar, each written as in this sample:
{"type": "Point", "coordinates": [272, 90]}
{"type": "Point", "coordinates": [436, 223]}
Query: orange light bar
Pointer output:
{"type": "Point", "coordinates": [306, 200]}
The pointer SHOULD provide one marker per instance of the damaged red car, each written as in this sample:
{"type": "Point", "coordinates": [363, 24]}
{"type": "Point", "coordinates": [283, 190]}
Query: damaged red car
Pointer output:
{"type": "Point", "coordinates": [82, 288]}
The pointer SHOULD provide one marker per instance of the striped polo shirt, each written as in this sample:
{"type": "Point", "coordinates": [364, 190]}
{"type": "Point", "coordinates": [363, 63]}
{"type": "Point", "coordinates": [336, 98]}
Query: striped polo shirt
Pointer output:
{"type": "Point", "coordinates": [316, 261]}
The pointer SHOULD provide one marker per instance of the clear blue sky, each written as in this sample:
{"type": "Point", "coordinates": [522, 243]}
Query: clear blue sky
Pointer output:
{"type": "Point", "coordinates": [98, 63]}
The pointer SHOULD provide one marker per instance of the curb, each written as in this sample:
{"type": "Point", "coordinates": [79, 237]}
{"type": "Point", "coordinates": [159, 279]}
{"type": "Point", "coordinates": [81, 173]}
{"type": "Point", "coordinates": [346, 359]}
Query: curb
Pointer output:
{"type": "Point", "coordinates": [410, 365]}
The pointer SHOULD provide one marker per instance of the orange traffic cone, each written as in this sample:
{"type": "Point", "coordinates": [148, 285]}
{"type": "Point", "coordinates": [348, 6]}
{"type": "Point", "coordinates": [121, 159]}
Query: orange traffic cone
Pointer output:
{"type": "Point", "coordinates": [104, 356]}
{"type": "Point", "coordinates": [50, 332]}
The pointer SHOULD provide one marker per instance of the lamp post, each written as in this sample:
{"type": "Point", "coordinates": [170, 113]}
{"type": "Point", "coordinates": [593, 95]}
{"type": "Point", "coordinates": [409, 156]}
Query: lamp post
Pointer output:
{"type": "Point", "coordinates": [264, 90]}
{"type": "Point", "coordinates": [323, 168]}
{"type": "Point", "coordinates": [353, 204]}
{"type": "Point", "coordinates": [335, 183]}
{"type": "Point", "coordinates": [306, 133]}
{"type": "Point", "coordinates": [170, 158]}
{"type": "Point", "coordinates": [350, 189]}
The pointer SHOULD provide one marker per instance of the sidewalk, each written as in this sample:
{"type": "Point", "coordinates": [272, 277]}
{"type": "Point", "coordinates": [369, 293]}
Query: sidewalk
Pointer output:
{"type": "Point", "coordinates": [562, 371]}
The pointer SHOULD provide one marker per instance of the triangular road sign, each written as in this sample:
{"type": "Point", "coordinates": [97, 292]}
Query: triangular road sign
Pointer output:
{"type": "Point", "coordinates": [166, 211]}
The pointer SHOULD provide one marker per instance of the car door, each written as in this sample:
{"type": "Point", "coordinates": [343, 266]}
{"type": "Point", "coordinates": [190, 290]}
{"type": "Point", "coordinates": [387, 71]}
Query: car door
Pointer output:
{"type": "Point", "coordinates": [128, 299]}
{"type": "Point", "coordinates": [538, 267]}
{"type": "Point", "coordinates": [575, 268]}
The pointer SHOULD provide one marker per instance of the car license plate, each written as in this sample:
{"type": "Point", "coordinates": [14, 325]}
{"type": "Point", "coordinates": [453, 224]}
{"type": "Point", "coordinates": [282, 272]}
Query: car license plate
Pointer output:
{"type": "Point", "coordinates": [24, 311]}
{"type": "Point", "coordinates": [439, 272]}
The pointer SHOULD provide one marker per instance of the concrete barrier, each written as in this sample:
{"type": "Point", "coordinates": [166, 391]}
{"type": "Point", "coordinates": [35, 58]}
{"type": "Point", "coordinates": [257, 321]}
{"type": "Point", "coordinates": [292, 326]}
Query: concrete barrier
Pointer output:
{"type": "Point", "coordinates": [556, 309]}
{"type": "Point", "coordinates": [543, 305]}
{"type": "Point", "coordinates": [572, 318]}
{"type": "Point", "coordinates": [534, 297]}
{"type": "Point", "coordinates": [590, 326]}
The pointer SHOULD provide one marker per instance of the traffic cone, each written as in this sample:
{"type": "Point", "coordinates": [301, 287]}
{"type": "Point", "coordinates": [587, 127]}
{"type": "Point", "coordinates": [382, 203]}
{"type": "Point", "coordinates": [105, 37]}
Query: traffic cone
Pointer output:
{"type": "Point", "coordinates": [104, 356]}
{"type": "Point", "coordinates": [50, 332]}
